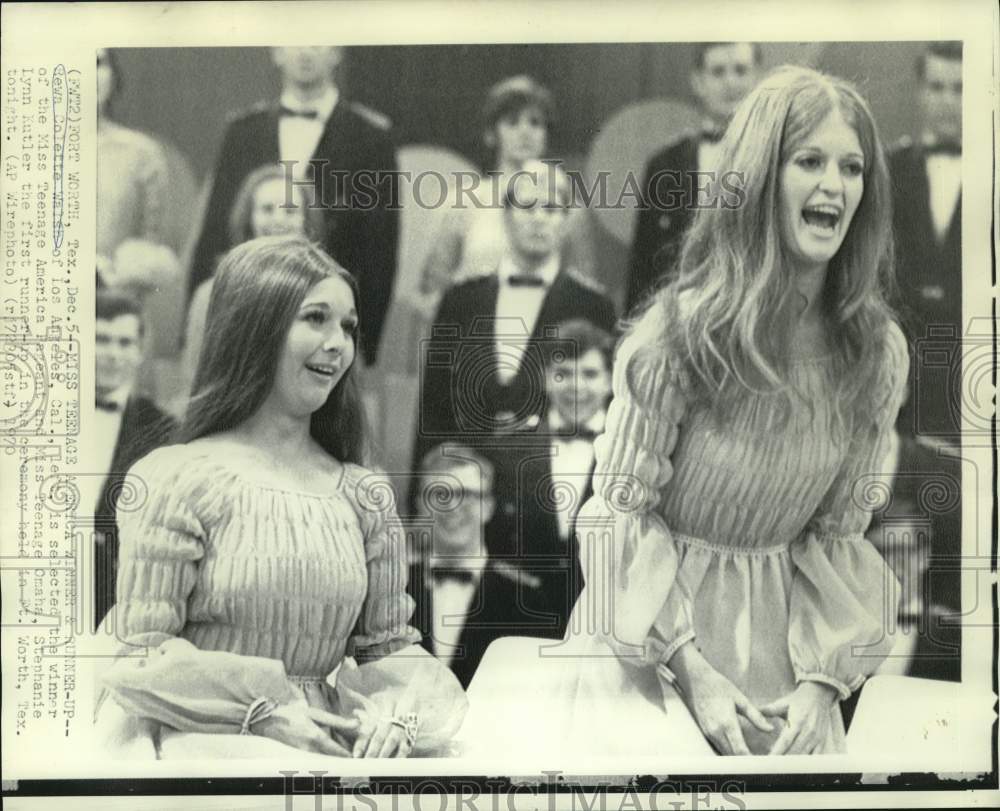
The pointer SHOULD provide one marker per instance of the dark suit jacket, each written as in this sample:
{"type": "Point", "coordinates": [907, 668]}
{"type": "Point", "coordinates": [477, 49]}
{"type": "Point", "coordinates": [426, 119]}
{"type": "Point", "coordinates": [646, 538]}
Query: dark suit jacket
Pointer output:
{"type": "Point", "coordinates": [525, 529]}
{"type": "Point", "coordinates": [659, 228]}
{"type": "Point", "coordinates": [496, 610]}
{"type": "Point", "coordinates": [143, 428]}
{"type": "Point", "coordinates": [930, 285]}
{"type": "Point", "coordinates": [461, 398]}
{"type": "Point", "coordinates": [361, 234]}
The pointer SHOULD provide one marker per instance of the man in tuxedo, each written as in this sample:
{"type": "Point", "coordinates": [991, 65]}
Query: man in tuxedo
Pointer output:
{"type": "Point", "coordinates": [464, 600]}
{"type": "Point", "coordinates": [722, 74]}
{"type": "Point", "coordinates": [127, 427]}
{"type": "Point", "coordinates": [483, 367]}
{"type": "Point", "coordinates": [342, 151]}
{"type": "Point", "coordinates": [927, 212]}
{"type": "Point", "coordinates": [927, 201]}
{"type": "Point", "coordinates": [541, 484]}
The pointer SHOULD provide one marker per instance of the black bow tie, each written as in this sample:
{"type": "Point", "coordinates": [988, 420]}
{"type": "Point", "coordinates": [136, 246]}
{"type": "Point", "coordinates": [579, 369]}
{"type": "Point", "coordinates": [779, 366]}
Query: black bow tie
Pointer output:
{"type": "Point", "coordinates": [525, 280]}
{"type": "Point", "coordinates": [712, 136]}
{"type": "Point", "coordinates": [289, 112]}
{"type": "Point", "coordinates": [108, 405]}
{"type": "Point", "coordinates": [457, 575]}
{"type": "Point", "coordinates": [944, 148]}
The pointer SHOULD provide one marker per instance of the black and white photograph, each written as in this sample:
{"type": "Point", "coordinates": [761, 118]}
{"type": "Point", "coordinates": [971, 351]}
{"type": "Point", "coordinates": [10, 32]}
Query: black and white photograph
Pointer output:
{"type": "Point", "coordinates": [507, 404]}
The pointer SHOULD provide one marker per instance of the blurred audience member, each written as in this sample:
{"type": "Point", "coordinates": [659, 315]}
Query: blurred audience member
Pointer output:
{"type": "Point", "coordinates": [722, 74]}
{"type": "Point", "coordinates": [464, 601]}
{"type": "Point", "coordinates": [126, 428]}
{"type": "Point", "coordinates": [927, 202]}
{"type": "Point", "coordinates": [259, 210]}
{"type": "Point", "coordinates": [516, 121]}
{"type": "Point", "coordinates": [541, 487]}
{"type": "Point", "coordinates": [483, 367]}
{"type": "Point", "coordinates": [927, 209]}
{"type": "Point", "coordinates": [131, 188]}
{"type": "Point", "coordinates": [132, 194]}
{"type": "Point", "coordinates": [341, 151]}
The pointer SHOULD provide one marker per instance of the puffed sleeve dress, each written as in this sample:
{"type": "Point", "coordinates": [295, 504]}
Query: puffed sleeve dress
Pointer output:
{"type": "Point", "coordinates": [231, 591]}
{"type": "Point", "coordinates": [744, 536]}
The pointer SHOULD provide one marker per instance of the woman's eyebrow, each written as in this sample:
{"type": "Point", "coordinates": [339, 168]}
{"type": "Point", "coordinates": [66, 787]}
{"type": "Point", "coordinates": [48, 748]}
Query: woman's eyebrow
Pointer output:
{"type": "Point", "coordinates": [814, 148]}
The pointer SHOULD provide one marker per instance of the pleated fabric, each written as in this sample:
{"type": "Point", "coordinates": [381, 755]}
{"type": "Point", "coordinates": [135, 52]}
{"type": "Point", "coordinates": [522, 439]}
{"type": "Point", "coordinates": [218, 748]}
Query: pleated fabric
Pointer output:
{"type": "Point", "coordinates": [240, 590]}
{"type": "Point", "coordinates": [746, 537]}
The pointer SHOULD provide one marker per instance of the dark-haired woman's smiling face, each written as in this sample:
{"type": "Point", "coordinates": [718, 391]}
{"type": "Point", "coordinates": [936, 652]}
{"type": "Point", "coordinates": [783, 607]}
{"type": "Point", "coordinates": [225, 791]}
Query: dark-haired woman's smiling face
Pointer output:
{"type": "Point", "coordinates": [319, 347]}
{"type": "Point", "coordinates": [269, 216]}
{"type": "Point", "coordinates": [521, 136]}
{"type": "Point", "coordinates": [821, 187]}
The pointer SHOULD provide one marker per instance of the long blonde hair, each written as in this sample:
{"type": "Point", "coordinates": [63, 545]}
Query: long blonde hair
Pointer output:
{"type": "Point", "coordinates": [736, 279]}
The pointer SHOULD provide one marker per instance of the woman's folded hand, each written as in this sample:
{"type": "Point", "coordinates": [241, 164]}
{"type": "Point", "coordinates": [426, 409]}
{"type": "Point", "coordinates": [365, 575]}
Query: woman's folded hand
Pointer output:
{"type": "Point", "coordinates": [311, 728]}
{"type": "Point", "coordinates": [379, 734]}
{"type": "Point", "coordinates": [807, 711]}
{"type": "Point", "coordinates": [715, 702]}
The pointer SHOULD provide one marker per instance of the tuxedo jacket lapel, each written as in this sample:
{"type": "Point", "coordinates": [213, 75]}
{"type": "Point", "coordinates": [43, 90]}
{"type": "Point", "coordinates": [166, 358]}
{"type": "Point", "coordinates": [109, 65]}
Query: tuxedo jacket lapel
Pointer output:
{"type": "Point", "coordinates": [953, 236]}
{"type": "Point", "coordinates": [485, 328]}
{"type": "Point", "coordinates": [129, 416]}
{"type": "Point", "coordinates": [688, 153]}
{"type": "Point", "coordinates": [423, 604]}
{"type": "Point", "coordinates": [922, 192]}
{"type": "Point", "coordinates": [553, 303]}
{"type": "Point", "coordinates": [270, 142]}
{"type": "Point", "coordinates": [553, 311]}
{"type": "Point", "coordinates": [333, 137]}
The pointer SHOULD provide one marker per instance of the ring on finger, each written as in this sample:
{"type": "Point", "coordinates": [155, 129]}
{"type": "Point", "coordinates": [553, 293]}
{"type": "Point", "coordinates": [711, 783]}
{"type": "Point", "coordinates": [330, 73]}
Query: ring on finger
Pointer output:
{"type": "Point", "coordinates": [409, 724]}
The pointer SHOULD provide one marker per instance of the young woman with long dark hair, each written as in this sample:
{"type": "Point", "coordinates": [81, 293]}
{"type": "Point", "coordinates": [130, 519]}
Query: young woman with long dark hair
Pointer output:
{"type": "Point", "coordinates": [263, 557]}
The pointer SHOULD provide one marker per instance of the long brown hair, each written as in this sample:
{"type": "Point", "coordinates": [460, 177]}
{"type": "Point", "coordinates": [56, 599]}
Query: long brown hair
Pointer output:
{"type": "Point", "coordinates": [259, 287]}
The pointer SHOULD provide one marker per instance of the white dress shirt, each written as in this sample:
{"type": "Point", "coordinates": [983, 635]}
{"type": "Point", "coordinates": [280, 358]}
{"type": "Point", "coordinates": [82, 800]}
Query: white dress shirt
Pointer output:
{"type": "Point", "coordinates": [298, 137]}
{"type": "Point", "coordinates": [517, 313]}
{"type": "Point", "coordinates": [450, 604]}
{"type": "Point", "coordinates": [572, 458]}
{"type": "Point", "coordinates": [944, 177]}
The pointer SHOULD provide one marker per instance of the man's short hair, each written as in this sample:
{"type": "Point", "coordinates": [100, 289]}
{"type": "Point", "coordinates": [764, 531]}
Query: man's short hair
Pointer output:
{"type": "Point", "coordinates": [702, 49]}
{"type": "Point", "coordinates": [112, 304]}
{"type": "Point", "coordinates": [510, 96]}
{"type": "Point", "coordinates": [450, 455]}
{"type": "Point", "coordinates": [575, 338]}
{"type": "Point", "coordinates": [952, 51]}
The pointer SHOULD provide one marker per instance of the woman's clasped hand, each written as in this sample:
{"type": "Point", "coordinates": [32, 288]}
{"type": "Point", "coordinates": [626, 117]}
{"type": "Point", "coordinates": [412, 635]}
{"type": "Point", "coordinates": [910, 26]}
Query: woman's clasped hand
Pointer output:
{"type": "Point", "coordinates": [310, 728]}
